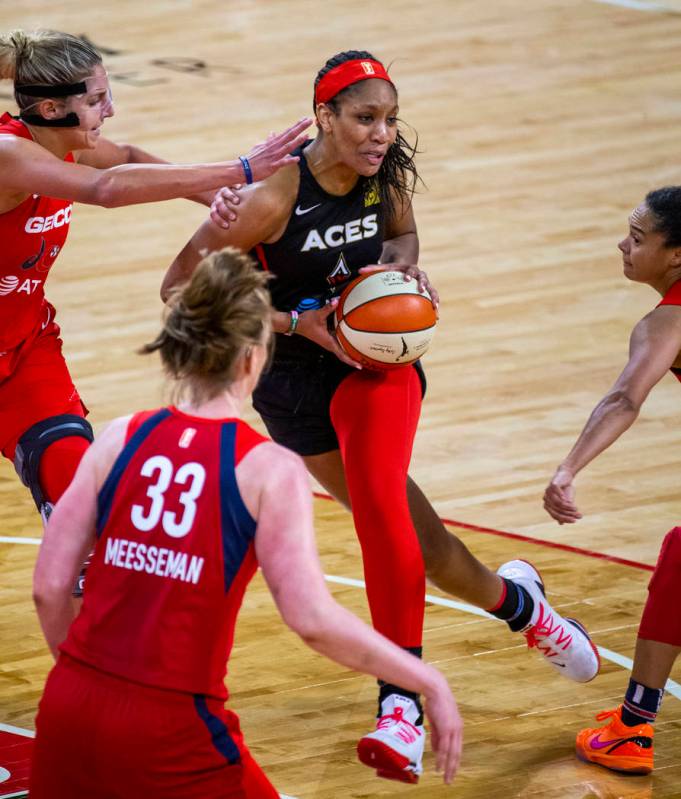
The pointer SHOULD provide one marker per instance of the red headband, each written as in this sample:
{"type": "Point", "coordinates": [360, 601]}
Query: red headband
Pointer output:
{"type": "Point", "coordinates": [345, 75]}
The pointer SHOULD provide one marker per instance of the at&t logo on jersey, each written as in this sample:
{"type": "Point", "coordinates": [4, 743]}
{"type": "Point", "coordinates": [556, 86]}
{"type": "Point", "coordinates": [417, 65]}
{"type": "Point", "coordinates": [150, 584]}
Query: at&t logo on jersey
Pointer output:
{"type": "Point", "coordinates": [338, 235]}
{"type": "Point", "coordinates": [38, 224]}
{"type": "Point", "coordinates": [11, 283]}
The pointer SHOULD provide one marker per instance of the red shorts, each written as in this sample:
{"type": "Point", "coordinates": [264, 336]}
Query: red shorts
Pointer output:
{"type": "Point", "coordinates": [34, 384]}
{"type": "Point", "coordinates": [102, 737]}
{"type": "Point", "coordinates": [661, 620]}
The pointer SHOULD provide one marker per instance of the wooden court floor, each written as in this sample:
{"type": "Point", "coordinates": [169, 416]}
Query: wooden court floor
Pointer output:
{"type": "Point", "coordinates": [541, 125]}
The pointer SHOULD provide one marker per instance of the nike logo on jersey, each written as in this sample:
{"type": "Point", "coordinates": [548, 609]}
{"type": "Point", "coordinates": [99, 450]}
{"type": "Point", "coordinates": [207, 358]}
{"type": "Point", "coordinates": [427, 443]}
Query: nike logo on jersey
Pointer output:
{"type": "Point", "coordinates": [302, 211]}
{"type": "Point", "coordinates": [338, 235]}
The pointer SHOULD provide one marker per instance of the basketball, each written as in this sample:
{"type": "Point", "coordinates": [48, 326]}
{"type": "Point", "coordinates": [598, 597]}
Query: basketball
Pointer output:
{"type": "Point", "coordinates": [383, 321]}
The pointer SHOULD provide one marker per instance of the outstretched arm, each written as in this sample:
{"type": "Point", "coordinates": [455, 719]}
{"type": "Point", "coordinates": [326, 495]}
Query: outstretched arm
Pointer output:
{"type": "Point", "coordinates": [27, 167]}
{"type": "Point", "coordinates": [653, 348]}
{"type": "Point", "coordinates": [287, 555]}
{"type": "Point", "coordinates": [108, 154]}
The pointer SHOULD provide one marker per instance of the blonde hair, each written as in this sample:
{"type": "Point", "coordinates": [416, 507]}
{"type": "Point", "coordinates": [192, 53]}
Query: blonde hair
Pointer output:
{"type": "Point", "coordinates": [45, 57]}
{"type": "Point", "coordinates": [211, 321]}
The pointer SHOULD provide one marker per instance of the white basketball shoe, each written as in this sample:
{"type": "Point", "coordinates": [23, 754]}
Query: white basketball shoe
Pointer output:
{"type": "Point", "coordinates": [564, 643]}
{"type": "Point", "coordinates": [395, 747]}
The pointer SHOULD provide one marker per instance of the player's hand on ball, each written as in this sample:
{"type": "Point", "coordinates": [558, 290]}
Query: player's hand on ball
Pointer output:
{"type": "Point", "coordinates": [313, 325]}
{"type": "Point", "coordinates": [410, 272]}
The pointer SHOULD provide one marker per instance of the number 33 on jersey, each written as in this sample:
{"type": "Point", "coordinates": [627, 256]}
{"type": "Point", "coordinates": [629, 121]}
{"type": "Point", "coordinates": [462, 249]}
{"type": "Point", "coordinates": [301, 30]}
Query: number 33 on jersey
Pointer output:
{"type": "Point", "coordinates": [174, 554]}
{"type": "Point", "coordinates": [172, 495]}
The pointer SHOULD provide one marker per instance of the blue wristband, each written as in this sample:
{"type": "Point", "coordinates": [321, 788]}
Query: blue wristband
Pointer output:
{"type": "Point", "coordinates": [247, 168]}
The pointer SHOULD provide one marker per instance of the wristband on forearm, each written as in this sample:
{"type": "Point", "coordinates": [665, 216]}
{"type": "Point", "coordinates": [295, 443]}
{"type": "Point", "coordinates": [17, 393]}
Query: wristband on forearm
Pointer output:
{"type": "Point", "coordinates": [293, 324]}
{"type": "Point", "coordinates": [248, 173]}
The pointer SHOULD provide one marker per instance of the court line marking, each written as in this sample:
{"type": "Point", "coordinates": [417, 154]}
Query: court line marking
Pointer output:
{"type": "Point", "coordinates": [8, 539]}
{"type": "Point", "coordinates": [17, 730]}
{"type": "Point", "coordinates": [588, 553]}
{"type": "Point", "coordinates": [671, 687]}
{"type": "Point", "coordinates": [639, 5]}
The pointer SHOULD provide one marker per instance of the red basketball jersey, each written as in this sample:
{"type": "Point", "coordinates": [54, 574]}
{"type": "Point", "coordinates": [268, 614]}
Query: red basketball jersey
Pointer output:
{"type": "Point", "coordinates": [173, 558]}
{"type": "Point", "coordinates": [673, 297]}
{"type": "Point", "coordinates": [32, 235]}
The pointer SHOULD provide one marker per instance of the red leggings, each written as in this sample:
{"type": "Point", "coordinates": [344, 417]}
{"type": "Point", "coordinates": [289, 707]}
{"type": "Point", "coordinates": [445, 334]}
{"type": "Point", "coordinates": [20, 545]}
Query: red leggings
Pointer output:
{"type": "Point", "coordinates": [35, 385]}
{"type": "Point", "coordinates": [375, 415]}
{"type": "Point", "coordinates": [661, 620]}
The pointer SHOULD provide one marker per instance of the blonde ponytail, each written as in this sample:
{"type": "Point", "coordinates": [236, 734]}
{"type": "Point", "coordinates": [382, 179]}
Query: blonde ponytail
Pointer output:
{"type": "Point", "coordinates": [212, 320]}
{"type": "Point", "coordinates": [45, 57]}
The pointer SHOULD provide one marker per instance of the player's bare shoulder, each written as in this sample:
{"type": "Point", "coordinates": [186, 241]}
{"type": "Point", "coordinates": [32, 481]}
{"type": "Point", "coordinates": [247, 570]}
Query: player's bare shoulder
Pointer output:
{"type": "Point", "coordinates": [664, 320]}
{"type": "Point", "coordinates": [15, 151]}
{"type": "Point", "coordinates": [273, 459]}
{"type": "Point", "coordinates": [270, 472]}
{"type": "Point", "coordinates": [278, 195]}
{"type": "Point", "coordinates": [107, 446]}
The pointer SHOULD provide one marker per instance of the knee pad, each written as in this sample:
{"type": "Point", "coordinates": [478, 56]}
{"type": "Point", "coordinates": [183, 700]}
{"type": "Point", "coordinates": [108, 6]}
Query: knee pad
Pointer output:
{"type": "Point", "coordinates": [33, 443]}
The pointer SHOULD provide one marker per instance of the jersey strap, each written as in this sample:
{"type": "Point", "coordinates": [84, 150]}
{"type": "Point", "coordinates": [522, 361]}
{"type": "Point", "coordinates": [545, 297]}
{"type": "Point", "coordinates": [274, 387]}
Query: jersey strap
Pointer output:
{"type": "Point", "coordinates": [673, 296]}
{"type": "Point", "coordinates": [238, 526]}
{"type": "Point", "coordinates": [106, 494]}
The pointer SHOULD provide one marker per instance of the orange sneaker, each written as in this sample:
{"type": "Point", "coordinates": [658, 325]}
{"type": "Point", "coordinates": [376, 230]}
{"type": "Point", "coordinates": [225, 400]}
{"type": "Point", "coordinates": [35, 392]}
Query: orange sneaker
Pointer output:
{"type": "Point", "coordinates": [617, 746]}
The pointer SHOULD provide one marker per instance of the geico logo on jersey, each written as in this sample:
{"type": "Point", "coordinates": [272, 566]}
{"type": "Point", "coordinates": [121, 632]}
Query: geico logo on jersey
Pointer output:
{"type": "Point", "coordinates": [11, 283]}
{"type": "Point", "coordinates": [38, 224]}
{"type": "Point", "coordinates": [337, 235]}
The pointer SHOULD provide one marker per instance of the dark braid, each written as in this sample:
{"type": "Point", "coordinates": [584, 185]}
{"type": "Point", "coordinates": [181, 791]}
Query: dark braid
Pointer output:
{"type": "Point", "coordinates": [398, 170]}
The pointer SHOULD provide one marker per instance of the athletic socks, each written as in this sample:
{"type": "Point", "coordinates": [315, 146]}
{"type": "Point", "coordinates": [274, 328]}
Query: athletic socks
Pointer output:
{"type": "Point", "coordinates": [641, 704]}
{"type": "Point", "coordinates": [514, 607]}
{"type": "Point", "coordinates": [386, 688]}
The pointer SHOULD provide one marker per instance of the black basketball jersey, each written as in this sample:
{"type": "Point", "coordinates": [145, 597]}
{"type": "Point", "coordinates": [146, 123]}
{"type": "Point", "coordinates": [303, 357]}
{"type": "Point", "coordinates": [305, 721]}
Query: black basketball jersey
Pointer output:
{"type": "Point", "coordinates": [327, 240]}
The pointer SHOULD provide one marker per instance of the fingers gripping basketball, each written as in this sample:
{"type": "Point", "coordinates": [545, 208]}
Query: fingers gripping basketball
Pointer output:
{"type": "Point", "coordinates": [383, 321]}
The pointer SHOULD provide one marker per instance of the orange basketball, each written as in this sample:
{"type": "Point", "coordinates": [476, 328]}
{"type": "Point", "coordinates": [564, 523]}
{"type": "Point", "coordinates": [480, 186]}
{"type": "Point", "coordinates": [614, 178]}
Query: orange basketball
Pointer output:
{"type": "Point", "coordinates": [383, 321]}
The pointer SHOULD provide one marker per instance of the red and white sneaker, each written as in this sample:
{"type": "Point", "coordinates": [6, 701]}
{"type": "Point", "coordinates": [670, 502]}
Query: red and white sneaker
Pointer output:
{"type": "Point", "coordinates": [395, 747]}
{"type": "Point", "coordinates": [563, 642]}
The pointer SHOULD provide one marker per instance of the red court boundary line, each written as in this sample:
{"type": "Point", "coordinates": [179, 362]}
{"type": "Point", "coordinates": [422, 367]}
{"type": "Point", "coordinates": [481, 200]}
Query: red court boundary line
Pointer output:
{"type": "Point", "coordinates": [588, 553]}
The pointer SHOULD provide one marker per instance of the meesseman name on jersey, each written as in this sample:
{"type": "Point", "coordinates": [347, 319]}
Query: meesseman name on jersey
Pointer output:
{"type": "Point", "coordinates": [153, 560]}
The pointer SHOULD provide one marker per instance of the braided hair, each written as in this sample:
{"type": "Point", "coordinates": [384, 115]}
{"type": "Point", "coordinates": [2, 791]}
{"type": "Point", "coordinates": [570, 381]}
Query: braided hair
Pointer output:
{"type": "Point", "coordinates": [398, 172]}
